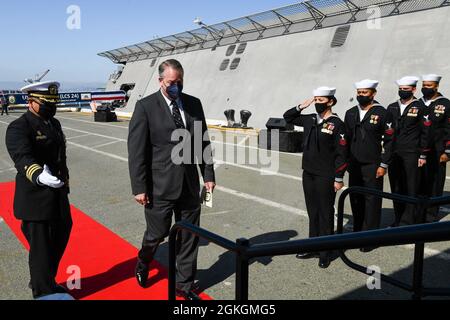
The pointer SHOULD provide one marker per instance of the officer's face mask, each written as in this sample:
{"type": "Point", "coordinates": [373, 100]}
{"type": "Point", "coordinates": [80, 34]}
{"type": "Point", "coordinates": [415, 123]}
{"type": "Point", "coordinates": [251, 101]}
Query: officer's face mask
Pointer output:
{"type": "Point", "coordinates": [405, 95]}
{"type": "Point", "coordinates": [174, 91]}
{"type": "Point", "coordinates": [428, 93]}
{"type": "Point", "coordinates": [47, 110]}
{"type": "Point", "coordinates": [364, 100]}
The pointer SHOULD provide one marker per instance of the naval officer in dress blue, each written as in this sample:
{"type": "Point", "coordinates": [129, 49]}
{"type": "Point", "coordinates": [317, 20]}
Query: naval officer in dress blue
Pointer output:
{"type": "Point", "coordinates": [36, 144]}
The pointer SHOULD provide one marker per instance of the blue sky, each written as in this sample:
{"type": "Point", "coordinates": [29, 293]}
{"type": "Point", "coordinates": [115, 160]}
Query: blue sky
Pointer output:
{"type": "Point", "coordinates": [35, 37]}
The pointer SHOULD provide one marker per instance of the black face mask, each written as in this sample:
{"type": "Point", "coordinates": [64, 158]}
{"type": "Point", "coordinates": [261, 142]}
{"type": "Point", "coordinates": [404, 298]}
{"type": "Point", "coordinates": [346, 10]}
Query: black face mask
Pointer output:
{"type": "Point", "coordinates": [405, 95]}
{"type": "Point", "coordinates": [428, 93]}
{"type": "Point", "coordinates": [321, 107]}
{"type": "Point", "coordinates": [47, 110]}
{"type": "Point", "coordinates": [364, 100]}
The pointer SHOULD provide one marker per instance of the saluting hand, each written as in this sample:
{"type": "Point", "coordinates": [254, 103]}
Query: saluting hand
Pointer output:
{"type": "Point", "coordinates": [142, 199]}
{"type": "Point", "coordinates": [306, 104]}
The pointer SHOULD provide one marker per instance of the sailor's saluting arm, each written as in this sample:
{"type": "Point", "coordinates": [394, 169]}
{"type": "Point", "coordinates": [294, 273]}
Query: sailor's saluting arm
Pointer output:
{"type": "Point", "coordinates": [138, 142]}
{"type": "Point", "coordinates": [293, 115]}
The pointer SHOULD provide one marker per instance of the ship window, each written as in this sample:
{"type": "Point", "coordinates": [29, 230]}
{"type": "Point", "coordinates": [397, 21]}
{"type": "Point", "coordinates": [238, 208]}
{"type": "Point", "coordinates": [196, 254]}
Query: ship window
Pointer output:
{"type": "Point", "coordinates": [153, 63]}
{"type": "Point", "coordinates": [224, 64]}
{"type": "Point", "coordinates": [340, 36]}
{"type": "Point", "coordinates": [230, 50]}
{"type": "Point", "coordinates": [235, 63]}
{"type": "Point", "coordinates": [241, 48]}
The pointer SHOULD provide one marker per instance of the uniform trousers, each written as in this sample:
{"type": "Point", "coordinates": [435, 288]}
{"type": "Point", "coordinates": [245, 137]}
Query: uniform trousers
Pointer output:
{"type": "Point", "coordinates": [366, 209]}
{"type": "Point", "coordinates": [404, 178]}
{"type": "Point", "coordinates": [47, 241]}
{"type": "Point", "coordinates": [319, 198]}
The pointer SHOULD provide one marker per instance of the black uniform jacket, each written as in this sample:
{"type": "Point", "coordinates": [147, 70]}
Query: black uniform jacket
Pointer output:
{"type": "Point", "coordinates": [150, 146]}
{"type": "Point", "coordinates": [325, 149]}
{"type": "Point", "coordinates": [369, 136]}
{"type": "Point", "coordinates": [33, 143]}
{"type": "Point", "coordinates": [412, 129]}
{"type": "Point", "coordinates": [439, 111]}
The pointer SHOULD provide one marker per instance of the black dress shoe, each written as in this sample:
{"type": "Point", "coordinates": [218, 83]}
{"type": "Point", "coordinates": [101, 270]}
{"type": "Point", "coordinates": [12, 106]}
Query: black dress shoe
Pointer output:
{"type": "Point", "coordinates": [141, 274]}
{"type": "Point", "coordinates": [324, 262]}
{"type": "Point", "coordinates": [189, 295]}
{"type": "Point", "coordinates": [308, 255]}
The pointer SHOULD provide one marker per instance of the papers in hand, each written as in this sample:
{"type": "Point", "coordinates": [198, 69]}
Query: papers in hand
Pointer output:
{"type": "Point", "coordinates": [207, 197]}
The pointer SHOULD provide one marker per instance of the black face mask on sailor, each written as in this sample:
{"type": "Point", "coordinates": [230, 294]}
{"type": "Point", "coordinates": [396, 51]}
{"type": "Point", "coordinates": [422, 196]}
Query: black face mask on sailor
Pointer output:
{"type": "Point", "coordinates": [405, 95]}
{"type": "Point", "coordinates": [47, 110]}
{"type": "Point", "coordinates": [428, 93]}
{"type": "Point", "coordinates": [364, 100]}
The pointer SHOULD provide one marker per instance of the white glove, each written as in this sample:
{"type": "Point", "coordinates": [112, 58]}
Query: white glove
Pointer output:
{"type": "Point", "coordinates": [46, 178]}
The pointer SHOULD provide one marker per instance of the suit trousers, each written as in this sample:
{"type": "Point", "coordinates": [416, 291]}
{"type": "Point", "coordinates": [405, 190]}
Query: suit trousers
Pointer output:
{"type": "Point", "coordinates": [158, 215]}
{"type": "Point", "coordinates": [48, 241]}
{"type": "Point", "coordinates": [366, 209]}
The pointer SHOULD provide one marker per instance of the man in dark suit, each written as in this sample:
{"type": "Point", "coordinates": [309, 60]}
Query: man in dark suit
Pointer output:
{"type": "Point", "coordinates": [164, 150]}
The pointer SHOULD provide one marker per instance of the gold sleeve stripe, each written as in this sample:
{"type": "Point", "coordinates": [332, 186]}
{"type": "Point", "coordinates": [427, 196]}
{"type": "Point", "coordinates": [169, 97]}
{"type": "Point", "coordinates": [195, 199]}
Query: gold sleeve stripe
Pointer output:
{"type": "Point", "coordinates": [30, 175]}
{"type": "Point", "coordinates": [31, 170]}
{"type": "Point", "coordinates": [32, 167]}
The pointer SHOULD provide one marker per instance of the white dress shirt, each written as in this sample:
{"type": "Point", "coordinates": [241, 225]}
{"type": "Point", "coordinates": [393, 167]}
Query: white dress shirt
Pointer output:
{"type": "Point", "coordinates": [180, 106]}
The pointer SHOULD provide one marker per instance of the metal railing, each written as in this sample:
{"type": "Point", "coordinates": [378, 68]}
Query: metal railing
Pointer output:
{"type": "Point", "coordinates": [417, 234]}
{"type": "Point", "coordinates": [302, 16]}
{"type": "Point", "coordinates": [421, 205]}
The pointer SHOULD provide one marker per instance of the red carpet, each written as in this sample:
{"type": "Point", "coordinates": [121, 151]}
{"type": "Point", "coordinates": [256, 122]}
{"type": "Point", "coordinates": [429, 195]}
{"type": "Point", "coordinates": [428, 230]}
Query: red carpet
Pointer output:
{"type": "Point", "coordinates": [106, 261]}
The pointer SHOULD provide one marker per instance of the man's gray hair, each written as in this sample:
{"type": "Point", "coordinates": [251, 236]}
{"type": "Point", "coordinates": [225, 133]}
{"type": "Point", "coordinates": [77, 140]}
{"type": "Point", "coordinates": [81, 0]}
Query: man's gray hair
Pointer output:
{"type": "Point", "coordinates": [172, 63]}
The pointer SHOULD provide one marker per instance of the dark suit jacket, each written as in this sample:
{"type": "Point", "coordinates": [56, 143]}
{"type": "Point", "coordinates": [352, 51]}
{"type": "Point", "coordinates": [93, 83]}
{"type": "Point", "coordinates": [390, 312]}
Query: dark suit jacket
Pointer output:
{"type": "Point", "coordinates": [150, 147]}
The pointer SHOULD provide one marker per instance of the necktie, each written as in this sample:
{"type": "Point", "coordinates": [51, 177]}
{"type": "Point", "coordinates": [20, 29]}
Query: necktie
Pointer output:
{"type": "Point", "coordinates": [177, 116]}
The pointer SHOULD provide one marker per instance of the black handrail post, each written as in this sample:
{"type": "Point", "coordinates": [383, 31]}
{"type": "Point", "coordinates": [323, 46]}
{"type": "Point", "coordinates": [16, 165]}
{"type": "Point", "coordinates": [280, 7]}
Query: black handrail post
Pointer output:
{"type": "Point", "coordinates": [419, 249]}
{"type": "Point", "coordinates": [172, 263]}
{"type": "Point", "coordinates": [418, 271]}
{"type": "Point", "coordinates": [242, 269]}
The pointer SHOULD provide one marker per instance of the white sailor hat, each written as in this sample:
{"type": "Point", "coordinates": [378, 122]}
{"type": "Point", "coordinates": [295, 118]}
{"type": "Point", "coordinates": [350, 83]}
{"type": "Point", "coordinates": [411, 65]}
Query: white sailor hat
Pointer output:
{"type": "Point", "coordinates": [408, 81]}
{"type": "Point", "coordinates": [432, 77]}
{"type": "Point", "coordinates": [46, 91]}
{"type": "Point", "coordinates": [366, 84]}
{"type": "Point", "coordinates": [324, 92]}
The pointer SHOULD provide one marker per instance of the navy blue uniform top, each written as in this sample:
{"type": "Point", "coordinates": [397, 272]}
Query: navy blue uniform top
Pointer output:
{"type": "Point", "coordinates": [325, 149]}
{"type": "Point", "coordinates": [439, 112]}
{"type": "Point", "coordinates": [369, 136]}
{"type": "Point", "coordinates": [412, 128]}
{"type": "Point", "coordinates": [33, 143]}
